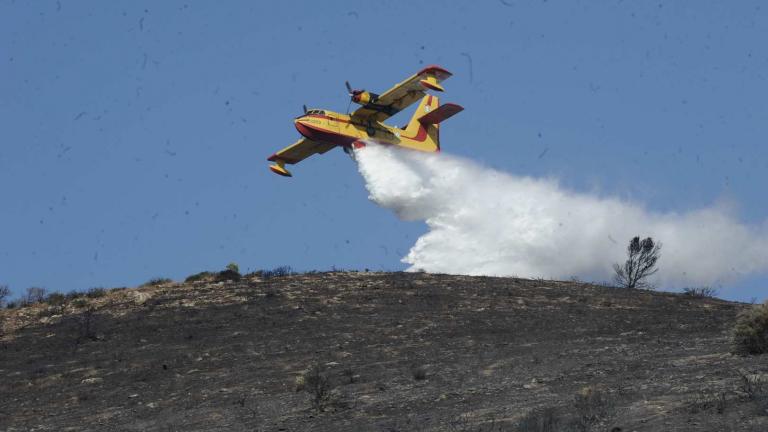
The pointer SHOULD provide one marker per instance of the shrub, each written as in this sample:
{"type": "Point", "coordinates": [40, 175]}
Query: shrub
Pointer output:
{"type": "Point", "coordinates": [231, 273]}
{"type": "Point", "coordinates": [704, 402]}
{"type": "Point", "coordinates": [280, 271]}
{"type": "Point", "coordinates": [55, 299]}
{"type": "Point", "coordinates": [79, 302]}
{"type": "Point", "coordinates": [701, 292]}
{"type": "Point", "coordinates": [228, 275]}
{"type": "Point", "coordinates": [271, 292]}
{"type": "Point", "coordinates": [257, 273]}
{"type": "Point", "coordinates": [642, 257]}
{"type": "Point", "coordinates": [203, 275]}
{"type": "Point", "coordinates": [157, 281]}
{"type": "Point", "coordinates": [593, 405]}
{"type": "Point", "coordinates": [419, 373]}
{"type": "Point", "coordinates": [349, 374]}
{"type": "Point", "coordinates": [33, 295]}
{"type": "Point", "coordinates": [466, 423]}
{"type": "Point", "coordinates": [5, 292]}
{"type": "Point", "coordinates": [96, 292]}
{"type": "Point", "coordinates": [74, 294]}
{"type": "Point", "coordinates": [750, 334]}
{"type": "Point", "coordinates": [56, 302]}
{"type": "Point", "coordinates": [542, 420]}
{"type": "Point", "coordinates": [317, 384]}
{"type": "Point", "coordinates": [86, 325]}
{"type": "Point", "coordinates": [751, 330]}
{"type": "Point", "coordinates": [754, 386]}
{"type": "Point", "coordinates": [400, 280]}
{"type": "Point", "coordinates": [11, 305]}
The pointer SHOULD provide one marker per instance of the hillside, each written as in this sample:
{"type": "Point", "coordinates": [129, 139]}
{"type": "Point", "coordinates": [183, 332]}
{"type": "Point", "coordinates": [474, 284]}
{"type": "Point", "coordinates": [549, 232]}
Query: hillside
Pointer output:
{"type": "Point", "coordinates": [398, 352]}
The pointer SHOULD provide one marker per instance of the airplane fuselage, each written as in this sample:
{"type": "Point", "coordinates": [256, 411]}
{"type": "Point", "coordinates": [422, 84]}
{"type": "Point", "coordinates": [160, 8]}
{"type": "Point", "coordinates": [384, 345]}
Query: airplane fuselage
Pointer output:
{"type": "Point", "coordinates": [346, 131]}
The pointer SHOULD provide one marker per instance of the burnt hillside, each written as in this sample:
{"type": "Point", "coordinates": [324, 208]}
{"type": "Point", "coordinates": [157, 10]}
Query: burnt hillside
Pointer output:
{"type": "Point", "coordinates": [376, 352]}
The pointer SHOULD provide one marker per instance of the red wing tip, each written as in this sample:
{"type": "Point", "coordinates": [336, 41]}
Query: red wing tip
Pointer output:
{"type": "Point", "coordinates": [272, 158]}
{"type": "Point", "coordinates": [435, 69]}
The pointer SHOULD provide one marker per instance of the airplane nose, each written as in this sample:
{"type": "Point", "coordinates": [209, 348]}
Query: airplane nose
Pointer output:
{"type": "Point", "coordinates": [302, 127]}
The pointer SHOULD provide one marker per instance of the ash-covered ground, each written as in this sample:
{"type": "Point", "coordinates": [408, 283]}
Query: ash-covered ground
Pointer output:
{"type": "Point", "coordinates": [347, 351]}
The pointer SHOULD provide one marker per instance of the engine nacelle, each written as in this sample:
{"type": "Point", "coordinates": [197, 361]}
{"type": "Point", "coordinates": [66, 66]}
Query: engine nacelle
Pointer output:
{"type": "Point", "coordinates": [363, 97]}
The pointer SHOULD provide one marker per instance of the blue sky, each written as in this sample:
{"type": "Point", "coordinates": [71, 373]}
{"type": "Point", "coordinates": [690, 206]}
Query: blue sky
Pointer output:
{"type": "Point", "coordinates": [134, 134]}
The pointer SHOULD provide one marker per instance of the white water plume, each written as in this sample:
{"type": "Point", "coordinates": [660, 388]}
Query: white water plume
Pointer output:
{"type": "Point", "coordinates": [486, 222]}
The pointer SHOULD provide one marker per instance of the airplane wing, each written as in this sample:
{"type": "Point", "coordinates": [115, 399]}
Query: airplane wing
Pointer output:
{"type": "Point", "coordinates": [403, 94]}
{"type": "Point", "coordinates": [296, 153]}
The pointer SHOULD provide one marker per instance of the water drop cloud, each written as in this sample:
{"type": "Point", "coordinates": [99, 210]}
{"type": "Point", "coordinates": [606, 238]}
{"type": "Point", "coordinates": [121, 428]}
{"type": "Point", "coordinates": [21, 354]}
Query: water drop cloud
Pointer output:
{"type": "Point", "coordinates": [486, 222]}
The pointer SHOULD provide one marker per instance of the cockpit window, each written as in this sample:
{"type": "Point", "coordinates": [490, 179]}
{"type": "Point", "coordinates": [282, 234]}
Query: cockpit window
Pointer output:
{"type": "Point", "coordinates": [320, 112]}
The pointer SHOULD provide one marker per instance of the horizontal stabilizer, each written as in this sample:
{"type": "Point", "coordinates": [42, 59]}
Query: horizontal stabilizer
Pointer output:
{"type": "Point", "coordinates": [441, 113]}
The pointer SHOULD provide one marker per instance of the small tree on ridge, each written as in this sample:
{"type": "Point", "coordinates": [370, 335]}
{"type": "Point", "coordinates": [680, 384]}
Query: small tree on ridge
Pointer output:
{"type": "Point", "coordinates": [642, 257]}
{"type": "Point", "coordinates": [5, 292]}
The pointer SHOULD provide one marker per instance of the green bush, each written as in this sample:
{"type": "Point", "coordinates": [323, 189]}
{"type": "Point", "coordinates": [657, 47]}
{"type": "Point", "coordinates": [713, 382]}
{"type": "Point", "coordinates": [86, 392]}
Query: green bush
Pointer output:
{"type": "Point", "coordinates": [750, 334]}
{"type": "Point", "coordinates": [227, 275]}
{"type": "Point", "coordinates": [230, 273]}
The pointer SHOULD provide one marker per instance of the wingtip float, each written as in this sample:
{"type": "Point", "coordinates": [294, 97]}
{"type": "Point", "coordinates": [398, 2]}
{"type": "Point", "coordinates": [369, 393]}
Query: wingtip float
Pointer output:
{"type": "Point", "coordinates": [279, 169]}
{"type": "Point", "coordinates": [323, 130]}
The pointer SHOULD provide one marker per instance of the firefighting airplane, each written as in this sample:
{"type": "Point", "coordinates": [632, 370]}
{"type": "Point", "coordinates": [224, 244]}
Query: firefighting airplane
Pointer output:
{"type": "Point", "coordinates": [323, 130]}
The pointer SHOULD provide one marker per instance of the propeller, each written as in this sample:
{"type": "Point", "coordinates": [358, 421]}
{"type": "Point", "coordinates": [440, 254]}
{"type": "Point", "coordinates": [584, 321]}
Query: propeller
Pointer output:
{"type": "Point", "coordinates": [353, 92]}
{"type": "Point", "coordinates": [305, 108]}
{"type": "Point", "coordinates": [361, 96]}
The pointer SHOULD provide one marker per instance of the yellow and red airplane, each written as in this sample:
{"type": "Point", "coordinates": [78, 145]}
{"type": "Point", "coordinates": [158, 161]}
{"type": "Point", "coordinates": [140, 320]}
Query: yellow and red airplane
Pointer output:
{"type": "Point", "coordinates": [323, 130]}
